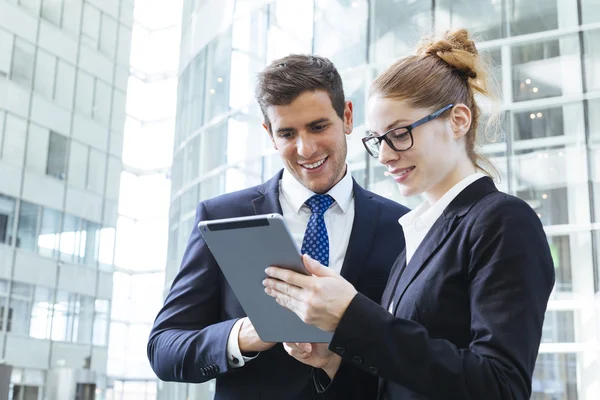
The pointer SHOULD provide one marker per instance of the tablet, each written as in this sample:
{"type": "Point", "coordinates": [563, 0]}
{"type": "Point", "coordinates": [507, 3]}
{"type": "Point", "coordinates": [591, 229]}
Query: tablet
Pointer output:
{"type": "Point", "coordinates": [243, 247]}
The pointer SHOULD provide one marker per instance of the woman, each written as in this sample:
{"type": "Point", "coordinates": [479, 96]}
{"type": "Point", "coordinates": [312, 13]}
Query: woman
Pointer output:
{"type": "Point", "coordinates": [462, 314]}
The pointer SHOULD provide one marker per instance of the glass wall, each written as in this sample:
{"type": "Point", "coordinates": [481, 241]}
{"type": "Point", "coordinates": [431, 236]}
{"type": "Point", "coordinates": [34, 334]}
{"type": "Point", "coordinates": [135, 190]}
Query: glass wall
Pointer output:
{"type": "Point", "coordinates": [545, 55]}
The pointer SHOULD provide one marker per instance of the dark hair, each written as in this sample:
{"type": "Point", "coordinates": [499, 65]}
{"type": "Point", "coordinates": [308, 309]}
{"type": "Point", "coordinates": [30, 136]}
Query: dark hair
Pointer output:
{"type": "Point", "coordinates": [445, 71]}
{"type": "Point", "coordinates": [287, 78]}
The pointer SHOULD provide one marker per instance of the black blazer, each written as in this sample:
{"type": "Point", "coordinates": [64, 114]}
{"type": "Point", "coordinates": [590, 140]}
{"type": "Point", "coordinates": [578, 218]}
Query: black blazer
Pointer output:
{"type": "Point", "coordinates": [469, 306]}
{"type": "Point", "coordinates": [189, 338]}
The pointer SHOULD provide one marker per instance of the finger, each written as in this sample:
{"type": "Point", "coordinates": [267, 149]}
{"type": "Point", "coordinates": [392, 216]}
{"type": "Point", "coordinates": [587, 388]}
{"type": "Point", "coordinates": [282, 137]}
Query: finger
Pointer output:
{"type": "Point", "coordinates": [295, 351]}
{"type": "Point", "coordinates": [290, 290]}
{"type": "Point", "coordinates": [288, 276]}
{"type": "Point", "coordinates": [307, 347]}
{"type": "Point", "coordinates": [286, 301]}
{"type": "Point", "coordinates": [315, 267]}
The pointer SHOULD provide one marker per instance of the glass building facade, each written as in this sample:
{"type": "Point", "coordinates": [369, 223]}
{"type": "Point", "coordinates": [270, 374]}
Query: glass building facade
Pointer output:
{"type": "Point", "coordinates": [546, 56]}
{"type": "Point", "coordinates": [64, 70]}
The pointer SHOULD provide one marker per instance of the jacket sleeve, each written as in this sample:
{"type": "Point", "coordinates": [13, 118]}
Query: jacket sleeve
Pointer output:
{"type": "Point", "coordinates": [510, 275]}
{"type": "Point", "coordinates": [188, 342]}
{"type": "Point", "coordinates": [349, 383]}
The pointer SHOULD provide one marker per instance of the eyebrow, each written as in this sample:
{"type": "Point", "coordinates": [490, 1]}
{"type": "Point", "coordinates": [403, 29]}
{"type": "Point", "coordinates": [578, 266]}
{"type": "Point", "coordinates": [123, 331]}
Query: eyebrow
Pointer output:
{"type": "Point", "coordinates": [308, 125]}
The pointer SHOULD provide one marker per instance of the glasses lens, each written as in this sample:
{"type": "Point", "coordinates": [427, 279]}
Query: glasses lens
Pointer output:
{"type": "Point", "coordinates": [372, 145]}
{"type": "Point", "coordinates": [400, 138]}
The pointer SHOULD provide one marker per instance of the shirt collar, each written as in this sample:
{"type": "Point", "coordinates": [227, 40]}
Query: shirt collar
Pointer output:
{"type": "Point", "coordinates": [428, 214]}
{"type": "Point", "coordinates": [296, 194]}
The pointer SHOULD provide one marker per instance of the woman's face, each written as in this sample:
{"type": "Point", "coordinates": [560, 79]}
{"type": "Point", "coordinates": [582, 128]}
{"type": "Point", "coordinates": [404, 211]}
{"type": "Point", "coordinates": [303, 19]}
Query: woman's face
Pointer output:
{"type": "Point", "coordinates": [437, 159]}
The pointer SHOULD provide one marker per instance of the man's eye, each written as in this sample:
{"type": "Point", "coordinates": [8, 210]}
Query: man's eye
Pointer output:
{"type": "Point", "coordinates": [285, 135]}
{"type": "Point", "coordinates": [319, 128]}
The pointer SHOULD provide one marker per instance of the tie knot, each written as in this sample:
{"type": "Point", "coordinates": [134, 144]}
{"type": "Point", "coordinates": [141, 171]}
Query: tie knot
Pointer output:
{"type": "Point", "coordinates": [319, 203]}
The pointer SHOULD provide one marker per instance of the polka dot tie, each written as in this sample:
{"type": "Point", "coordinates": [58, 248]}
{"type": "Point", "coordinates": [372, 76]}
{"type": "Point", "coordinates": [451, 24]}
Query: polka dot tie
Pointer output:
{"type": "Point", "coordinates": [316, 241]}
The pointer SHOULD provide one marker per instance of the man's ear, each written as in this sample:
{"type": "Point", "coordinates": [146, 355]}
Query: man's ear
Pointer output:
{"type": "Point", "coordinates": [348, 117]}
{"type": "Point", "coordinates": [460, 120]}
{"type": "Point", "coordinates": [270, 135]}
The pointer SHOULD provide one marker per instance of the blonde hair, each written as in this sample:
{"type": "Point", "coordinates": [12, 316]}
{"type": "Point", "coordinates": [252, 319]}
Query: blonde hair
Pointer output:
{"type": "Point", "coordinates": [446, 71]}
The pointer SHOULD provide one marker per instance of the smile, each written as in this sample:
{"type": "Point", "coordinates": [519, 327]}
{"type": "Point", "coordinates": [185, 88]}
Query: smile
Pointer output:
{"type": "Point", "coordinates": [314, 165]}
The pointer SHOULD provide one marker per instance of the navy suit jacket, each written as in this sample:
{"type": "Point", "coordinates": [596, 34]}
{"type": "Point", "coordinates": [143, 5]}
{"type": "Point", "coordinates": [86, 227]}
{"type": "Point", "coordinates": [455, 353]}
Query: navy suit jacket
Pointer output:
{"type": "Point", "coordinates": [189, 337]}
{"type": "Point", "coordinates": [469, 306]}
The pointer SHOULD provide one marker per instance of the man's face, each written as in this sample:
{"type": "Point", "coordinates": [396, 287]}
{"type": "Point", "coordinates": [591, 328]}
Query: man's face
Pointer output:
{"type": "Point", "coordinates": [311, 139]}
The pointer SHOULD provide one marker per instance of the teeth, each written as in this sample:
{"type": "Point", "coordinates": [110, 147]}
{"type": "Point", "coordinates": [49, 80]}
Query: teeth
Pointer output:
{"type": "Point", "coordinates": [406, 171]}
{"type": "Point", "coordinates": [315, 165]}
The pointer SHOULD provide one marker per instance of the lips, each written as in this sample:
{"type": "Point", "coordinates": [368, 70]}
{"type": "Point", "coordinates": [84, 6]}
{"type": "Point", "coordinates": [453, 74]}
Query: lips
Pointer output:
{"type": "Point", "coordinates": [314, 165]}
{"type": "Point", "coordinates": [399, 172]}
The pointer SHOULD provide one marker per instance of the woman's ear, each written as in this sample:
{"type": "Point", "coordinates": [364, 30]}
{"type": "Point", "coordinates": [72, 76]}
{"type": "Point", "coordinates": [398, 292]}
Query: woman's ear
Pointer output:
{"type": "Point", "coordinates": [460, 120]}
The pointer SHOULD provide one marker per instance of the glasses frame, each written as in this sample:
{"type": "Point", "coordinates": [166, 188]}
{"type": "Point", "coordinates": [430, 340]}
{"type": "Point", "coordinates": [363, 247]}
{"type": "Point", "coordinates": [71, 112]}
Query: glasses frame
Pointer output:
{"type": "Point", "coordinates": [409, 129]}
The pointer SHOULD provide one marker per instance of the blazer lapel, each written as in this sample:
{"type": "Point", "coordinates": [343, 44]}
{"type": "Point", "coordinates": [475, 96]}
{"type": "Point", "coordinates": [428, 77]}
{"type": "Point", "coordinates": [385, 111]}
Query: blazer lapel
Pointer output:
{"type": "Point", "coordinates": [366, 218]}
{"type": "Point", "coordinates": [267, 201]}
{"type": "Point", "coordinates": [392, 282]}
{"type": "Point", "coordinates": [440, 231]}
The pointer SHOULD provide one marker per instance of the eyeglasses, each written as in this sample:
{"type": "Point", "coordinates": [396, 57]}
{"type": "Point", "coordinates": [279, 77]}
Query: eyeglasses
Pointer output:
{"type": "Point", "coordinates": [399, 139]}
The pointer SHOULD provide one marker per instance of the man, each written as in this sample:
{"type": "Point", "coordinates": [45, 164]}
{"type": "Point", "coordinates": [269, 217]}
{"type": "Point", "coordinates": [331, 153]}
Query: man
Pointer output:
{"type": "Point", "coordinates": [202, 332]}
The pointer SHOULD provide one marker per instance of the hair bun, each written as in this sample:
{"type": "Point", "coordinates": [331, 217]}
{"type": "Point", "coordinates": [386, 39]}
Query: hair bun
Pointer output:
{"type": "Point", "coordinates": [455, 48]}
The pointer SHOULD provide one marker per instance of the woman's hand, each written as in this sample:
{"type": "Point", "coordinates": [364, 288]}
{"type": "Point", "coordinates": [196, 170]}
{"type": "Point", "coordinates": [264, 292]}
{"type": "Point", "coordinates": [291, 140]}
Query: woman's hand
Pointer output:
{"type": "Point", "coordinates": [320, 299]}
{"type": "Point", "coordinates": [316, 355]}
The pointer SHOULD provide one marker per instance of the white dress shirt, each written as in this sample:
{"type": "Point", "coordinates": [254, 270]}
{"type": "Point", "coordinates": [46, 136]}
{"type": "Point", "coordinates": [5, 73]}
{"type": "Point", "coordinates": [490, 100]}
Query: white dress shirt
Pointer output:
{"type": "Point", "coordinates": [338, 220]}
{"type": "Point", "coordinates": [419, 221]}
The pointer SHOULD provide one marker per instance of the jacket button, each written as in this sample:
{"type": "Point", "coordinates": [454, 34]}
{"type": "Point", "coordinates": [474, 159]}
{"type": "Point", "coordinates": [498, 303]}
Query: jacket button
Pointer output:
{"type": "Point", "coordinates": [373, 370]}
{"type": "Point", "coordinates": [235, 360]}
{"type": "Point", "coordinates": [340, 350]}
{"type": "Point", "coordinates": [357, 360]}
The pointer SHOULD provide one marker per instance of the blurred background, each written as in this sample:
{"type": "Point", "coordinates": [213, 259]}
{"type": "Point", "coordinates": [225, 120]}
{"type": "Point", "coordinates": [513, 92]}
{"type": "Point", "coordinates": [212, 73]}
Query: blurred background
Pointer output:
{"type": "Point", "coordinates": [118, 116]}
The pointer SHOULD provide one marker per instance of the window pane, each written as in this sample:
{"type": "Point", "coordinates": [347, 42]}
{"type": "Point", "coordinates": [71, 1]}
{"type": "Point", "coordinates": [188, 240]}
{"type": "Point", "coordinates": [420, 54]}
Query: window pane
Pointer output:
{"type": "Point", "coordinates": [83, 333]}
{"type": "Point", "coordinates": [65, 84]}
{"type": "Point", "coordinates": [218, 66]}
{"type": "Point", "coordinates": [15, 132]}
{"type": "Point", "coordinates": [22, 66]}
{"type": "Point", "coordinates": [91, 25]}
{"type": "Point", "coordinates": [71, 239]}
{"type": "Point", "coordinates": [340, 31]}
{"type": "Point", "coordinates": [41, 313]}
{"type": "Point", "coordinates": [85, 93]}
{"type": "Point", "coordinates": [591, 40]}
{"type": "Point", "coordinates": [559, 327]}
{"type": "Point", "coordinates": [52, 10]}
{"type": "Point", "coordinates": [564, 120]}
{"type": "Point", "coordinates": [78, 164]}
{"type": "Point", "coordinates": [7, 219]}
{"type": "Point", "coordinates": [542, 15]}
{"type": "Point", "coordinates": [96, 171]}
{"type": "Point", "coordinates": [555, 377]}
{"type": "Point", "coordinates": [392, 35]}
{"type": "Point", "coordinates": [66, 316]}
{"type": "Point", "coordinates": [108, 38]}
{"type": "Point", "coordinates": [45, 71]}
{"type": "Point", "coordinates": [57, 156]}
{"type": "Point", "coordinates": [71, 18]}
{"type": "Point", "coordinates": [590, 11]}
{"type": "Point", "coordinates": [6, 46]}
{"type": "Point", "coordinates": [32, 6]}
{"type": "Point", "coordinates": [27, 228]}
{"type": "Point", "coordinates": [91, 245]}
{"type": "Point", "coordinates": [546, 69]}
{"type": "Point", "coordinates": [482, 18]}
{"type": "Point", "coordinates": [20, 308]}
{"type": "Point", "coordinates": [49, 233]}
{"type": "Point", "coordinates": [102, 102]}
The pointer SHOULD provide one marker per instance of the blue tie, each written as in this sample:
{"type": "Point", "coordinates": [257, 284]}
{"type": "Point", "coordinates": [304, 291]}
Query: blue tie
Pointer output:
{"type": "Point", "coordinates": [316, 241]}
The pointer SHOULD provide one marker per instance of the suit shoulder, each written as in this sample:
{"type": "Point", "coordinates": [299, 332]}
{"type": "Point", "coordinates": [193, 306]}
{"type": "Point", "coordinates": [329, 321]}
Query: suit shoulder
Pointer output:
{"type": "Point", "coordinates": [230, 201]}
{"type": "Point", "coordinates": [502, 209]}
{"type": "Point", "coordinates": [388, 204]}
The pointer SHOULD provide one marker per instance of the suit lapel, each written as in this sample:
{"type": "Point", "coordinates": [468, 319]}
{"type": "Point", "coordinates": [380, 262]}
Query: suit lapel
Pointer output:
{"type": "Point", "coordinates": [392, 282]}
{"type": "Point", "coordinates": [440, 231]}
{"type": "Point", "coordinates": [366, 218]}
{"type": "Point", "coordinates": [267, 201]}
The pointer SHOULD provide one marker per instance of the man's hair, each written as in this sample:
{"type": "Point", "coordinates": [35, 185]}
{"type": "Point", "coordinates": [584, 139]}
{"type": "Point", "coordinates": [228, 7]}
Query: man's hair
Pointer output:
{"type": "Point", "coordinates": [287, 78]}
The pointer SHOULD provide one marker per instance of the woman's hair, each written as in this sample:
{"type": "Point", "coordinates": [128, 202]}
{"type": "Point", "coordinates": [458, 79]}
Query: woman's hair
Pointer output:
{"type": "Point", "coordinates": [445, 71]}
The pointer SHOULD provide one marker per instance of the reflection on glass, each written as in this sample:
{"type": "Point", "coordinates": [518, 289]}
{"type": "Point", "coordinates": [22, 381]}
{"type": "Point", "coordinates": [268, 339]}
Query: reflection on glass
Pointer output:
{"type": "Point", "coordinates": [560, 248]}
{"type": "Point", "coordinates": [555, 377]}
{"type": "Point", "coordinates": [528, 17]}
{"type": "Point", "coordinates": [540, 123]}
{"type": "Point", "coordinates": [100, 322]}
{"type": "Point", "coordinates": [41, 313]}
{"type": "Point", "coordinates": [28, 226]}
{"type": "Point", "coordinates": [48, 239]}
{"type": "Point", "coordinates": [19, 308]}
{"type": "Point", "coordinates": [546, 69]}
{"type": "Point", "coordinates": [217, 76]}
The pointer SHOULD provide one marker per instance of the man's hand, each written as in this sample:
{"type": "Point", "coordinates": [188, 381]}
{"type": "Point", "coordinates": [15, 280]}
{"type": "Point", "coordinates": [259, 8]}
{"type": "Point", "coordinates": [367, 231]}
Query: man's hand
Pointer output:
{"type": "Point", "coordinates": [248, 339]}
{"type": "Point", "coordinates": [316, 355]}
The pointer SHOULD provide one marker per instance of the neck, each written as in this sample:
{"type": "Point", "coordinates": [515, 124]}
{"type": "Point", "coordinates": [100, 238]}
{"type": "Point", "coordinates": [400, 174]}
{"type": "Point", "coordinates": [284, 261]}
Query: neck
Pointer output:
{"type": "Point", "coordinates": [458, 174]}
